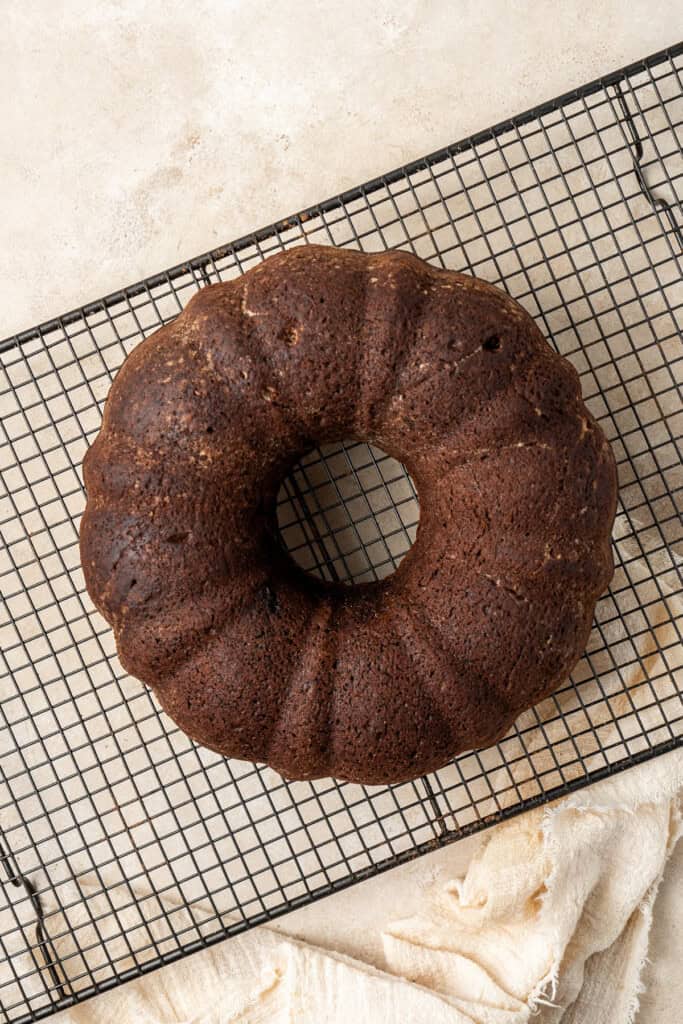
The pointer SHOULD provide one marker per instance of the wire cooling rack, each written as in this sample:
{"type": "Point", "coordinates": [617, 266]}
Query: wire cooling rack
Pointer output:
{"type": "Point", "coordinates": [348, 513]}
{"type": "Point", "coordinates": [125, 846]}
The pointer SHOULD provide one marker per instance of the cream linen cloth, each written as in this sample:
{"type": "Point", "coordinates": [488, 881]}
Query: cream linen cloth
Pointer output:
{"type": "Point", "coordinates": [551, 921]}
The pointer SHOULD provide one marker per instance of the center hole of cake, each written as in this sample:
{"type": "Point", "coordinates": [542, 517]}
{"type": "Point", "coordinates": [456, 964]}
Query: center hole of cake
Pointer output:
{"type": "Point", "coordinates": [348, 513]}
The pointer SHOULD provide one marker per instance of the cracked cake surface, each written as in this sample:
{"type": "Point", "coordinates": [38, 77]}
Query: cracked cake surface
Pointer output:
{"type": "Point", "coordinates": [490, 609]}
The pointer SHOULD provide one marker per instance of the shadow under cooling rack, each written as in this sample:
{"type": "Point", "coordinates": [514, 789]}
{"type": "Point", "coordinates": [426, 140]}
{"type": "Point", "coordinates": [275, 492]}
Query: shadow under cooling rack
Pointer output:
{"type": "Point", "coordinates": [125, 846]}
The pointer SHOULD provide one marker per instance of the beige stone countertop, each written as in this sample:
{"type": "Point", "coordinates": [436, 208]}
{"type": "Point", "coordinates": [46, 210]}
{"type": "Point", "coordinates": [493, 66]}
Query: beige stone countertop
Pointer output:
{"type": "Point", "coordinates": [137, 134]}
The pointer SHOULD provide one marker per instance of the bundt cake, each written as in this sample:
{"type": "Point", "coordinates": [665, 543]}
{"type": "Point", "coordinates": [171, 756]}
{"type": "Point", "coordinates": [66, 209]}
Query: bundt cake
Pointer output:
{"type": "Point", "coordinates": [490, 609]}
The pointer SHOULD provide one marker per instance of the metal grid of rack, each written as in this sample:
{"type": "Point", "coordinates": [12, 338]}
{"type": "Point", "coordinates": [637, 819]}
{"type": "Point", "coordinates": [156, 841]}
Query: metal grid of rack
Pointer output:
{"type": "Point", "coordinates": [124, 845]}
{"type": "Point", "coordinates": [348, 513]}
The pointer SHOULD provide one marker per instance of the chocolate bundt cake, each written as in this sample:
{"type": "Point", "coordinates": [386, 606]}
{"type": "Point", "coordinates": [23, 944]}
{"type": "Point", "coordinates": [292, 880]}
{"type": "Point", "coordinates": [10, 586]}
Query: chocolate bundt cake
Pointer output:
{"type": "Point", "coordinates": [490, 609]}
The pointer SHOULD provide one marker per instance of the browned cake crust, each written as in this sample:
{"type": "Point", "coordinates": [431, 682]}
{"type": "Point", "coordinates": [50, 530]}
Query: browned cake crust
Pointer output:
{"type": "Point", "coordinates": [486, 615]}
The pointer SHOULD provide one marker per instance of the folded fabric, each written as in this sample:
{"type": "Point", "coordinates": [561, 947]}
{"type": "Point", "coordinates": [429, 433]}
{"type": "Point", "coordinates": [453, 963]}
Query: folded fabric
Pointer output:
{"type": "Point", "coordinates": [551, 920]}
{"type": "Point", "coordinates": [548, 892]}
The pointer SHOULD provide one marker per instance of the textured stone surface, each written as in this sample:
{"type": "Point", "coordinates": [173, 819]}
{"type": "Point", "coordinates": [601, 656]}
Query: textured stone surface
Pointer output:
{"type": "Point", "coordinates": [137, 135]}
